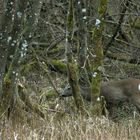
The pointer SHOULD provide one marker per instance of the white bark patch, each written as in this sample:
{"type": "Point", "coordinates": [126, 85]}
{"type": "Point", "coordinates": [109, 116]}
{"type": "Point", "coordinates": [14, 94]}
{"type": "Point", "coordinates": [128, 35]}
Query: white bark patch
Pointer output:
{"type": "Point", "coordinates": [19, 14]}
{"type": "Point", "coordinates": [98, 99]}
{"type": "Point", "coordinates": [139, 87]}
{"type": "Point", "coordinates": [97, 23]}
{"type": "Point", "coordinates": [84, 17]}
{"type": "Point", "coordinates": [94, 74]}
{"type": "Point", "coordinates": [9, 39]}
{"type": "Point", "coordinates": [84, 10]}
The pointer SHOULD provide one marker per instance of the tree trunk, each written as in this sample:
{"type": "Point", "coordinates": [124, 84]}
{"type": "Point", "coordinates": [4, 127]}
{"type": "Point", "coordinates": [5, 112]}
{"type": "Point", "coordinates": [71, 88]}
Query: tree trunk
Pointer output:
{"type": "Point", "coordinates": [71, 64]}
{"type": "Point", "coordinates": [81, 20]}
{"type": "Point", "coordinates": [17, 37]}
{"type": "Point", "coordinates": [98, 60]}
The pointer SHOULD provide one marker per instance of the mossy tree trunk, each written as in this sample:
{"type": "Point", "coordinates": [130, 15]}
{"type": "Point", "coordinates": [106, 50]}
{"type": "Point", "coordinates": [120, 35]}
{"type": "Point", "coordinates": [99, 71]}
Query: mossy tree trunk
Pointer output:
{"type": "Point", "coordinates": [6, 26]}
{"type": "Point", "coordinates": [72, 68]}
{"type": "Point", "coordinates": [16, 37]}
{"type": "Point", "coordinates": [81, 20]}
{"type": "Point", "coordinates": [97, 64]}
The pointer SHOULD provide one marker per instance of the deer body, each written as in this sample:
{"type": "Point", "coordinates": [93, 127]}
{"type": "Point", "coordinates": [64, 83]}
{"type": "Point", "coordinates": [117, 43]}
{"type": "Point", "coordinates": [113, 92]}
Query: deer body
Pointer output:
{"type": "Point", "coordinates": [114, 92]}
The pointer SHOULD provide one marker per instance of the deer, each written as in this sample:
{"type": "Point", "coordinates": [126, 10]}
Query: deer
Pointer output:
{"type": "Point", "coordinates": [114, 92]}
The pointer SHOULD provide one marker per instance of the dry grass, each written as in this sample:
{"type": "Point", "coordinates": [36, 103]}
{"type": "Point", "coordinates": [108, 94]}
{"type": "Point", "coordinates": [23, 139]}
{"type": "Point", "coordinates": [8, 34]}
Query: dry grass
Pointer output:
{"type": "Point", "coordinates": [71, 128]}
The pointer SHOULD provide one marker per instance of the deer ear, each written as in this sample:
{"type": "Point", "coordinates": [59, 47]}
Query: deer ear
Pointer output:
{"type": "Point", "coordinates": [66, 92]}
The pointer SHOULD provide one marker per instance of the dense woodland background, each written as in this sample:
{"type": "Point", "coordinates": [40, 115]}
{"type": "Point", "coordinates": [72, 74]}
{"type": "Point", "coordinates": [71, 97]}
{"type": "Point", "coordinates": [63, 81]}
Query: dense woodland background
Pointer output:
{"type": "Point", "coordinates": [47, 44]}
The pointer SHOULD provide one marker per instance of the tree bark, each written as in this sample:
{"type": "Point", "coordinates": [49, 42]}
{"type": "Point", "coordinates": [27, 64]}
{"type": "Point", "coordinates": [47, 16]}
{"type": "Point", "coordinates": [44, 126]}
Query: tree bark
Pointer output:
{"type": "Point", "coordinates": [17, 40]}
{"type": "Point", "coordinates": [97, 64]}
{"type": "Point", "coordinates": [71, 64]}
